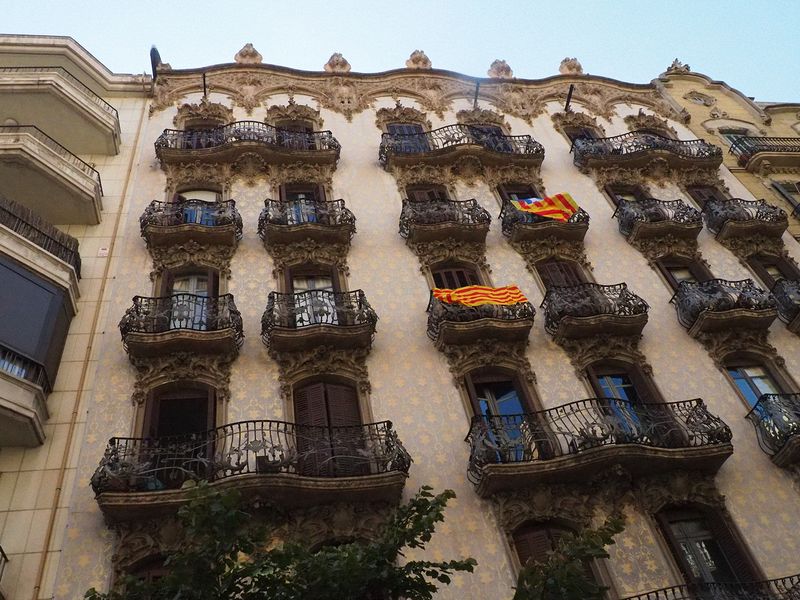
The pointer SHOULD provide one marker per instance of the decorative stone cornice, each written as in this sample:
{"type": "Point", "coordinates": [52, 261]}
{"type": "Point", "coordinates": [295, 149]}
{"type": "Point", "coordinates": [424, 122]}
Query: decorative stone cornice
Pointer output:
{"type": "Point", "coordinates": [534, 251]}
{"type": "Point", "coordinates": [464, 358]}
{"type": "Point", "coordinates": [667, 245]}
{"type": "Point", "coordinates": [563, 120]}
{"type": "Point", "coordinates": [248, 166]}
{"type": "Point", "coordinates": [337, 64]}
{"type": "Point", "coordinates": [699, 98]}
{"type": "Point", "coordinates": [152, 372]}
{"type": "Point", "coordinates": [585, 351]}
{"type": "Point", "coordinates": [469, 170]}
{"type": "Point", "coordinates": [722, 344]}
{"type": "Point", "coordinates": [642, 120]}
{"type": "Point", "coordinates": [481, 116]}
{"type": "Point", "coordinates": [499, 69]}
{"type": "Point", "coordinates": [322, 360]}
{"type": "Point", "coordinates": [300, 172]}
{"type": "Point", "coordinates": [440, 251]}
{"type": "Point", "coordinates": [681, 487]}
{"type": "Point", "coordinates": [400, 114]}
{"type": "Point", "coordinates": [309, 251]}
{"type": "Point", "coordinates": [248, 55]}
{"type": "Point", "coordinates": [294, 112]}
{"type": "Point", "coordinates": [657, 171]}
{"type": "Point", "coordinates": [418, 60]}
{"type": "Point", "coordinates": [678, 67]}
{"type": "Point", "coordinates": [746, 246]}
{"type": "Point", "coordinates": [572, 503]}
{"type": "Point", "coordinates": [197, 173]}
{"type": "Point", "coordinates": [214, 256]}
{"type": "Point", "coordinates": [205, 111]}
{"type": "Point", "coordinates": [337, 522]}
{"type": "Point", "coordinates": [494, 176]}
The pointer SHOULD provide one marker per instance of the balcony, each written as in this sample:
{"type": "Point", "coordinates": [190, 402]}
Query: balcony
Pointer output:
{"type": "Point", "coordinates": [650, 218]}
{"type": "Point", "coordinates": [521, 226]}
{"type": "Point", "coordinates": [24, 386]}
{"type": "Point", "coordinates": [437, 220]}
{"type": "Point", "coordinates": [182, 323]}
{"type": "Point", "coordinates": [752, 151]}
{"type": "Point", "coordinates": [229, 142]}
{"type": "Point", "coordinates": [294, 221]}
{"type": "Point", "coordinates": [45, 177]}
{"type": "Point", "coordinates": [292, 465]}
{"type": "Point", "coordinates": [460, 324]}
{"type": "Point", "coordinates": [785, 588]}
{"type": "Point", "coordinates": [448, 144]}
{"type": "Point", "coordinates": [170, 223]}
{"type": "Point", "coordinates": [57, 102]}
{"type": "Point", "coordinates": [787, 294]}
{"type": "Point", "coordinates": [590, 309]}
{"type": "Point", "coordinates": [573, 441]}
{"type": "Point", "coordinates": [638, 148]}
{"type": "Point", "coordinates": [719, 305]}
{"type": "Point", "coordinates": [318, 318]}
{"type": "Point", "coordinates": [737, 218]}
{"type": "Point", "coordinates": [776, 418]}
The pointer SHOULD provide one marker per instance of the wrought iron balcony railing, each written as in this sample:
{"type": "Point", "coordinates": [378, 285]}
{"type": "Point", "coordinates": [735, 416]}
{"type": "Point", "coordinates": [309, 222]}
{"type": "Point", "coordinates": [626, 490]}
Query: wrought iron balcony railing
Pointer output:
{"type": "Point", "coordinates": [441, 313]}
{"type": "Point", "coordinates": [651, 210]}
{"type": "Point", "coordinates": [574, 428]}
{"type": "Point", "coordinates": [637, 143]}
{"type": "Point", "coordinates": [57, 149]}
{"type": "Point", "coordinates": [590, 300]}
{"type": "Point", "coordinates": [719, 212]}
{"type": "Point", "coordinates": [746, 146]}
{"type": "Point", "coordinates": [510, 217]}
{"type": "Point", "coordinates": [189, 312]}
{"type": "Point", "coordinates": [26, 223]}
{"type": "Point", "coordinates": [716, 296]}
{"type": "Point", "coordinates": [249, 447]}
{"type": "Point", "coordinates": [434, 212]}
{"type": "Point", "coordinates": [784, 588]}
{"type": "Point", "coordinates": [247, 131]}
{"type": "Point", "coordinates": [15, 364]}
{"type": "Point", "coordinates": [316, 307]}
{"type": "Point", "coordinates": [452, 136]}
{"type": "Point", "coordinates": [191, 212]}
{"type": "Point", "coordinates": [787, 294]}
{"type": "Point", "coordinates": [776, 418]}
{"type": "Point", "coordinates": [288, 213]}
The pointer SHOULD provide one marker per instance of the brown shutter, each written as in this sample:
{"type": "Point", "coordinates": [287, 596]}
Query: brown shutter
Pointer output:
{"type": "Point", "coordinates": [309, 405]}
{"type": "Point", "coordinates": [347, 436]}
{"type": "Point", "coordinates": [703, 193]}
{"type": "Point", "coordinates": [739, 559]}
{"type": "Point", "coordinates": [311, 433]}
{"type": "Point", "coordinates": [559, 273]}
{"type": "Point", "coordinates": [532, 542]}
{"type": "Point", "coordinates": [455, 277]}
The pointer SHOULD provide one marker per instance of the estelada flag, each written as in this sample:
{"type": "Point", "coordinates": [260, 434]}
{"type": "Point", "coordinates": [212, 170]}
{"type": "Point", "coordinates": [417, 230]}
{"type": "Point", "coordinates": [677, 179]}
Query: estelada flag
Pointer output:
{"type": "Point", "coordinates": [475, 295]}
{"type": "Point", "coordinates": [559, 207]}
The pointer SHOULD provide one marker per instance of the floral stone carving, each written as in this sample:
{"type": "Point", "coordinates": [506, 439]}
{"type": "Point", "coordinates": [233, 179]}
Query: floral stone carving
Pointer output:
{"type": "Point", "coordinates": [337, 64]}
{"type": "Point", "coordinates": [418, 60]}
{"type": "Point", "coordinates": [308, 251]}
{"type": "Point", "coordinates": [166, 258]}
{"type": "Point", "coordinates": [534, 251]}
{"type": "Point", "coordinates": [678, 67]}
{"type": "Point", "coordinates": [197, 173]}
{"type": "Point", "coordinates": [570, 66]}
{"type": "Point", "coordinates": [248, 55]}
{"type": "Point", "coordinates": [499, 69]}
{"type": "Point", "coordinates": [681, 487]}
{"type": "Point", "coordinates": [464, 358]}
{"type": "Point", "coordinates": [721, 344]}
{"type": "Point", "coordinates": [400, 114]}
{"type": "Point", "coordinates": [322, 360]}
{"type": "Point", "coordinates": [294, 112]}
{"type": "Point", "coordinates": [432, 253]}
{"type": "Point", "coordinates": [204, 111]}
{"type": "Point", "coordinates": [587, 350]}
{"type": "Point", "coordinates": [213, 370]}
{"type": "Point", "coordinates": [645, 121]}
{"type": "Point", "coordinates": [563, 120]}
{"type": "Point", "coordinates": [481, 116]}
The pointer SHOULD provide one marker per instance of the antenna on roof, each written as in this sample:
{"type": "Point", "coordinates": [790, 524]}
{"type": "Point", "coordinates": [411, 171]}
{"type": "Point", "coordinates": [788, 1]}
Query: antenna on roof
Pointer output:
{"type": "Point", "coordinates": [475, 100]}
{"type": "Point", "coordinates": [569, 97]}
{"type": "Point", "coordinates": [205, 90]}
{"type": "Point", "coordinates": [155, 60]}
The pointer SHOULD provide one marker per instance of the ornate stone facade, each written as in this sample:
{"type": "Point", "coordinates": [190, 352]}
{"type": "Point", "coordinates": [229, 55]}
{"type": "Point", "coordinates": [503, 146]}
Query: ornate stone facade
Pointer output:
{"type": "Point", "coordinates": [309, 251]}
{"type": "Point", "coordinates": [294, 112]}
{"type": "Point", "coordinates": [418, 60]}
{"type": "Point", "coordinates": [464, 358]}
{"type": "Point", "coordinates": [563, 120]}
{"type": "Point", "coordinates": [212, 370]}
{"type": "Point", "coordinates": [534, 251]}
{"type": "Point", "coordinates": [400, 114]}
{"type": "Point", "coordinates": [588, 350]}
{"type": "Point", "coordinates": [176, 256]}
{"type": "Point", "coordinates": [205, 112]}
{"type": "Point", "coordinates": [481, 116]}
{"type": "Point", "coordinates": [322, 360]}
{"type": "Point", "coordinates": [337, 64]}
{"type": "Point", "coordinates": [642, 120]}
{"type": "Point", "coordinates": [441, 251]}
{"type": "Point", "coordinates": [721, 345]}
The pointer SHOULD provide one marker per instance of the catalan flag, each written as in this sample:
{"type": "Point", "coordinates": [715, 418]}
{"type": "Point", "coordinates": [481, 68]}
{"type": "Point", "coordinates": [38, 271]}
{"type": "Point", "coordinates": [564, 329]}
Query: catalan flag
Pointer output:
{"type": "Point", "coordinates": [475, 295]}
{"type": "Point", "coordinates": [559, 207]}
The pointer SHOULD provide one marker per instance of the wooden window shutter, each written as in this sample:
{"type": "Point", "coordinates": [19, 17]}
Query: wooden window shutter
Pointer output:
{"type": "Point", "coordinates": [347, 438]}
{"type": "Point", "coordinates": [455, 277]}
{"type": "Point", "coordinates": [343, 407]}
{"type": "Point", "coordinates": [787, 189]}
{"type": "Point", "coordinates": [309, 405]}
{"type": "Point", "coordinates": [703, 193]}
{"type": "Point", "coordinates": [311, 433]}
{"type": "Point", "coordinates": [559, 273]}
{"type": "Point", "coordinates": [532, 542]}
{"type": "Point", "coordinates": [738, 558]}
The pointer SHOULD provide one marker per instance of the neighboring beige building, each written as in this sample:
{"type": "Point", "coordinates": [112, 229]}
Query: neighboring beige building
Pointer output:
{"type": "Point", "coordinates": [235, 187]}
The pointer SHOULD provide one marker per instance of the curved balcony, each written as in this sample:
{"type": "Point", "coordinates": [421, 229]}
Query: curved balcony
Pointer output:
{"type": "Point", "coordinates": [718, 304]}
{"type": "Point", "coordinates": [744, 218]}
{"type": "Point", "coordinates": [169, 223]}
{"type": "Point", "coordinates": [448, 144]}
{"type": "Point", "coordinates": [787, 294]}
{"type": "Point", "coordinates": [520, 226]}
{"type": "Point", "coordinates": [42, 175]}
{"type": "Point", "coordinates": [638, 148]}
{"type": "Point", "coordinates": [24, 386]}
{"type": "Point", "coordinates": [753, 151]}
{"type": "Point", "coordinates": [784, 588]}
{"type": "Point", "coordinates": [292, 465]}
{"type": "Point", "coordinates": [459, 324]}
{"type": "Point", "coordinates": [650, 218]}
{"type": "Point", "coordinates": [436, 220]}
{"type": "Point", "coordinates": [229, 142]}
{"type": "Point", "coordinates": [573, 441]}
{"type": "Point", "coordinates": [776, 418]}
{"type": "Point", "coordinates": [589, 309]}
{"type": "Point", "coordinates": [182, 323]}
{"type": "Point", "coordinates": [318, 318]}
{"type": "Point", "coordinates": [294, 221]}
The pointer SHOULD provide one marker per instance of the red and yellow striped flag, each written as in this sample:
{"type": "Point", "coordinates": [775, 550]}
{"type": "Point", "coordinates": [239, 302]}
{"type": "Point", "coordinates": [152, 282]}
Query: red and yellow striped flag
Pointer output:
{"type": "Point", "coordinates": [475, 295]}
{"type": "Point", "coordinates": [559, 207]}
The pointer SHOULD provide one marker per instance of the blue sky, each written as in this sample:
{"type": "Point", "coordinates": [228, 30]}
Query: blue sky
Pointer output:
{"type": "Point", "coordinates": [751, 45]}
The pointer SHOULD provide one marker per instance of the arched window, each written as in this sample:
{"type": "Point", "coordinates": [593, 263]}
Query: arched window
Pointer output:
{"type": "Point", "coordinates": [410, 137]}
{"type": "Point", "coordinates": [556, 272]}
{"type": "Point", "coordinates": [517, 191]}
{"type": "Point", "coordinates": [424, 192]}
{"type": "Point", "coordinates": [577, 132]}
{"type": "Point", "coordinates": [770, 269]}
{"type": "Point", "coordinates": [149, 570]}
{"type": "Point", "coordinates": [677, 269]}
{"type": "Point", "coordinates": [189, 298]}
{"type": "Point", "coordinates": [452, 275]}
{"type": "Point", "coordinates": [752, 378]}
{"type": "Point", "coordinates": [532, 542]}
{"type": "Point", "coordinates": [180, 408]}
{"type": "Point", "coordinates": [314, 301]}
{"type": "Point", "coordinates": [623, 191]}
{"type": "Point", "coordinates": [703, 193]}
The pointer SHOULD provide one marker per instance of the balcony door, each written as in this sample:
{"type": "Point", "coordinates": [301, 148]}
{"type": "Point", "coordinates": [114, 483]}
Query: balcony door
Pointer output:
{"type": "Point", "coordinates": [190, 307]}
{"type": "Point", "coordinates": [295, 135]}
{"type": "Point", "coordinates": [513, 191]}
{"type": "Point", "coordinates": [410, 137]}
{"type": "Point", "coordinates": [555, 272]}
{"type": "Point", "coordinates": [454, 276]}
{"type": "Point", "coordinates": [329, 437]}
{"type": "Point", "coordinates": [752, 380]}
{"type": "Point", "coordinates": [302, 202]}
{"type": "Point", "coordinates": [195, 206]}
{"type": "Point", "coordinates": [314, 302]}
{"type": "Point", "coordinates": [490, 137]}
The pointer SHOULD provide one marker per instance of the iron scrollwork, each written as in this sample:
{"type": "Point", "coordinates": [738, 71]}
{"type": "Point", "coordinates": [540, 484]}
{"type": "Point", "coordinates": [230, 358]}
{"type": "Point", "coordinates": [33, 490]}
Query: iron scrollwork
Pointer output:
{"type": "Point", "coordinates": [589, 300]}
{"type": "Point", "coordinates": [651, 210]}
{"type": "Point", "coordinates": [718, 295]}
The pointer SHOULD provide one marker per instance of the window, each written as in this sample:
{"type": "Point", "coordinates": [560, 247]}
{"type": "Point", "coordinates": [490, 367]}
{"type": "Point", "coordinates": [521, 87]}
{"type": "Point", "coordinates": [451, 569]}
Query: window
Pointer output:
{"type": "Point", "coordinates": [450, 276]}
{"type": "Point", "coordinates": [771, 269]}
{"type": "Point", "coordinates": [427, 193]}
{"type": "Point", "coordinates": [179, 409]}
{"type": "Point", "coordinates": [150, 570]}
{"type": "Point", "coordinates": [664, 133]}
{"type": "Point", "coordinates": [753, 380]}
{"type": "Point", "coordinates": [190, 291]}
{"type": "Point", "coordinates": [301, 201]}
{"type": "Point", "coordinates": [295, 135]}
{"type": "Point", "coordinates": [576, 133]}
{"type": "Point", "coordinates": [195, 207]}
{"type": "Point", "coordinates": [517, 191]}
{"type": "Point", "coordinates": [631, 193]}
{"type": "Point", "coordinates": [490, 137]}
{"type": "Point", "coordinates": [731, 134]}
{"type": "Point", "coordinates": [556, 272]}
{"type": "Point", "coordinates": [705, 547]}
{"type": "Point", "coordinates": [411, 137]}
{"type": "Point", "coordinates": [313, 302]}
{"type": "Point", "coordinates": [703, 193]}
{"type": "Point", "coordinates": [677, 270]}
{"type": "Point", "coordinates": [532, 542]}
{"type": "Point", "coordinates": [790, 190]}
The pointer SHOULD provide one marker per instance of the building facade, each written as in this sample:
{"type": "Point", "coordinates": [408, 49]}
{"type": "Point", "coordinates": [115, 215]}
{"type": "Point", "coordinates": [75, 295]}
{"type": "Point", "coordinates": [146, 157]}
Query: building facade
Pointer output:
{"type": "Point", "coordinates": [267, 240]}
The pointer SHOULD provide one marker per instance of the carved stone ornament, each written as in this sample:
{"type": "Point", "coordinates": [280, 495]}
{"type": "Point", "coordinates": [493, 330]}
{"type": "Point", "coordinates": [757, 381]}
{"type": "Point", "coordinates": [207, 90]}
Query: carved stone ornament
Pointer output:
{"type": "Point", "coordinates": [251, 167]}
{"type": "Point", "coordinates": [300, 172]}
{"type": "Point", "coordinates": [642, 120]}
{"type": "Point", "coordinates": [658, 172]}
{"type": "Point", "coordinates": [678, 67]}
{"type": "Point", "coordinates": [564, 120]}
{"type": "Point", "coordinates": [248, 56]}
{"type": "Point", "coordinates": [400, 114]}
{"type": "Point", "coordinates": [667, 245]}
{"type": "Point", "coordinates": [481, 116]}
{"type": "Point", "coordinates": [464, 358]}
{"type": "Point", "coordinates": [656, 492]}
{"type": "Point", "coordinates": [570, 66]}
{"type": "Point", "coordinates": [203, 111]}
{"type": "Point", "coordinates": [350, 363]}
{"type": "Point", "coordinates": [141, 539]}
{"type": "Point", "coordinates": [294, 112]}
{"type": "Point", "coordinates": [165, 94]}
{"type": "Point", "coordinates": [309, 252]}
{"type": "Point", "coordinates": [338, 522]}
{"type": "Point", "coordinates": [344, 96]}
{"type": "Point", "coordinates": [469, 170]}
{"type": "Point", "coordinates": [440, 251]}
{"type": "Point", "coordinates": [699, 176]}
{"type": "Point", "coordinates": [521, 102]}
{"type": "Point", "coordinates": [716, 113]}
{"type": "Point", "coordinates": [214, 256]}
{"type": "Point", "coordinates": [152, 372]}
{"type": "Point", "coordinates": [418, 60]}
{"type": "Point", "coordinates": [534, 251]}
{"type": "Point", "coordinates": [745, 247]}
{"type": "Point", "coordinates": [499, 69]}
{"type": "Point", "coordinates": [197, 173]}
{"type": "Point", "coordinates": [494, 176]}
{"type": "Point", "coordinates": [585, 351]}
{"type": "Point", "coordinates": [722, 344]}
{"type": "Point", "coordinates": [337, 64]}
{"type": "Point", "coordinates": [700, 98]}
{"type": "Point", "coordinates": [247, 91]}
